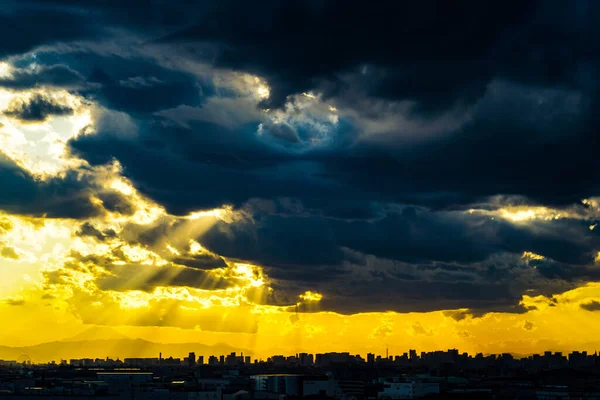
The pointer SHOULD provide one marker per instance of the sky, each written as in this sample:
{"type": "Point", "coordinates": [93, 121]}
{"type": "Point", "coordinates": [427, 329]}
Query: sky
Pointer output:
{"type": "Point", "coordinates": [302, 175]}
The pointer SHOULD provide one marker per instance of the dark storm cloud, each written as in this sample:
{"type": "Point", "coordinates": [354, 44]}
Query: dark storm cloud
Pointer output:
{"type": "Point", "coordinates": [479, 298]}
{"type": "Point", "coordinates": [130, 82]}
{"type": "Point", "coordinates": [115, 271]}
{"type": "Point", "coordinates": [200, 261]}
{"type": "Point", "coordinates": [29, 24]}
{"type": "Point", "coordinates": [177, 233]}
{"type": "Point", "coordinates": [408, 260]}
{"type": "Point", "coordinates": [170, 90]}
{"type": "Point", "coordinates": [494, 285]}
{"type": "Point", "coordinates": [15, 302]}
{"type": "Point", "coordinates": [24, 28]}
{"type": "Point", "coordinates": [37, 108]}
{"type": "Point", "coordinates": [226, 166]}
{"type": "Point", "coordinates": [357, 292]}
{"type": "Point", "coordinates": [43, 76]}
{"type": "Point", "coordinates": [63, 197]}
{"type": "Point", "coordinates": [518, 140]}
{"type": "Point", "coordinates": [457, 315]}
{"type": "Point", "coordinates": [142, 16]}
{"type": "Point", "coordinates": [150, 98]}
{"type": "Point", "coordinates": [5, 225]}
{"type": "Point", "coordinates": [88, 229]}
{"type": "Point", "coordinates": [434, 53]}
{"type": "Point", "coordinates": [498, 150]}
{"type": "Point", "coordinates": [440, 55]}
{"type": "Point", "coordinates": [123, 278]}
{"type": "Point", "coordinates": [115, 202]}
{"type": "Point", "coordinates": [410, 235]}
{"type": "Point", "coordinates": [591, 306]}
{"type": "Point", "coordinates": [283, 132]}
{"type": "Point", "coordinates": [298, 44]}
{"type": "Point", "coordinates": [9, 252]}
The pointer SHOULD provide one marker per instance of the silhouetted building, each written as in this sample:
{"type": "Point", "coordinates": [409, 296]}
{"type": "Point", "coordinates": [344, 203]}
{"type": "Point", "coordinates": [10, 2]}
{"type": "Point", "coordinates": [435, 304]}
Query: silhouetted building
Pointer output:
{"type": "Point", "coordinates": [371, 358]}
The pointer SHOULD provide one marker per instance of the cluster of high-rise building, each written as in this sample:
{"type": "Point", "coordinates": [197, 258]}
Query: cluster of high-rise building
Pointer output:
{"type": "Point", "coordinates": [338, 375]}
{"type": "Point", "coordinates": [576, 359]}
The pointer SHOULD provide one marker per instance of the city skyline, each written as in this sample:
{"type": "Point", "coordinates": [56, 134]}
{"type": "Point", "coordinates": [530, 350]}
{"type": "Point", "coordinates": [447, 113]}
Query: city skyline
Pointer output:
{"type": "Point", "coordinates": [409, 358]}
{"type": "Point", "coordinates": [110, 345]}
{"type": "Point", "coordinates": [299, 176]}
{"type": "Point", "coordinates": [338, 376]}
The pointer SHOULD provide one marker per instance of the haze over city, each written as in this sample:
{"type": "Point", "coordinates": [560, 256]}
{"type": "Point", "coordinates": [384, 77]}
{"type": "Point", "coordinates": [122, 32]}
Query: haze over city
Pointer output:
{"type": "Point", "coordinates": [286, 177]}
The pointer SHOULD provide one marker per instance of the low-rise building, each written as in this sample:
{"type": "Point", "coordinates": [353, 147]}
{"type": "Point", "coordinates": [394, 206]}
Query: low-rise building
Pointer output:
{"type": "Point", "coordinates": [408, 390]}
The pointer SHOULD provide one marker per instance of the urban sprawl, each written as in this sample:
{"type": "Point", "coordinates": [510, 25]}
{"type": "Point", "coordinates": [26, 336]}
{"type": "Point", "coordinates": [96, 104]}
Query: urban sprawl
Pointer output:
{"type": "Point", "coordinates": [340, 376]}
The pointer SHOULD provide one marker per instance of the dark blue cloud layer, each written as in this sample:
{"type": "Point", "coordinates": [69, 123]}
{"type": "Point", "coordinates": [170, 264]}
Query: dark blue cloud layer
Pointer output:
{"type": "Point", "coordinates": [70, 196]}
{"type": "Point", "coordinates": [38, 108]}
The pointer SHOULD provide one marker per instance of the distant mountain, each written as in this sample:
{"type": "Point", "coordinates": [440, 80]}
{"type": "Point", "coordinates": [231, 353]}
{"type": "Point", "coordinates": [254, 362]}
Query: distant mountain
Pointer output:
{"type": "Point", "coordinates": [97, 333]}
{"type": "Point", "coordinates": [113, 348]}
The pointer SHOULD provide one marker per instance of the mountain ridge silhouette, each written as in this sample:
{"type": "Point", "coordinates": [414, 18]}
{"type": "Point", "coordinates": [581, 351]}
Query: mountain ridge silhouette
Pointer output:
{"type": "Point", "coordinates": [67, 349]}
